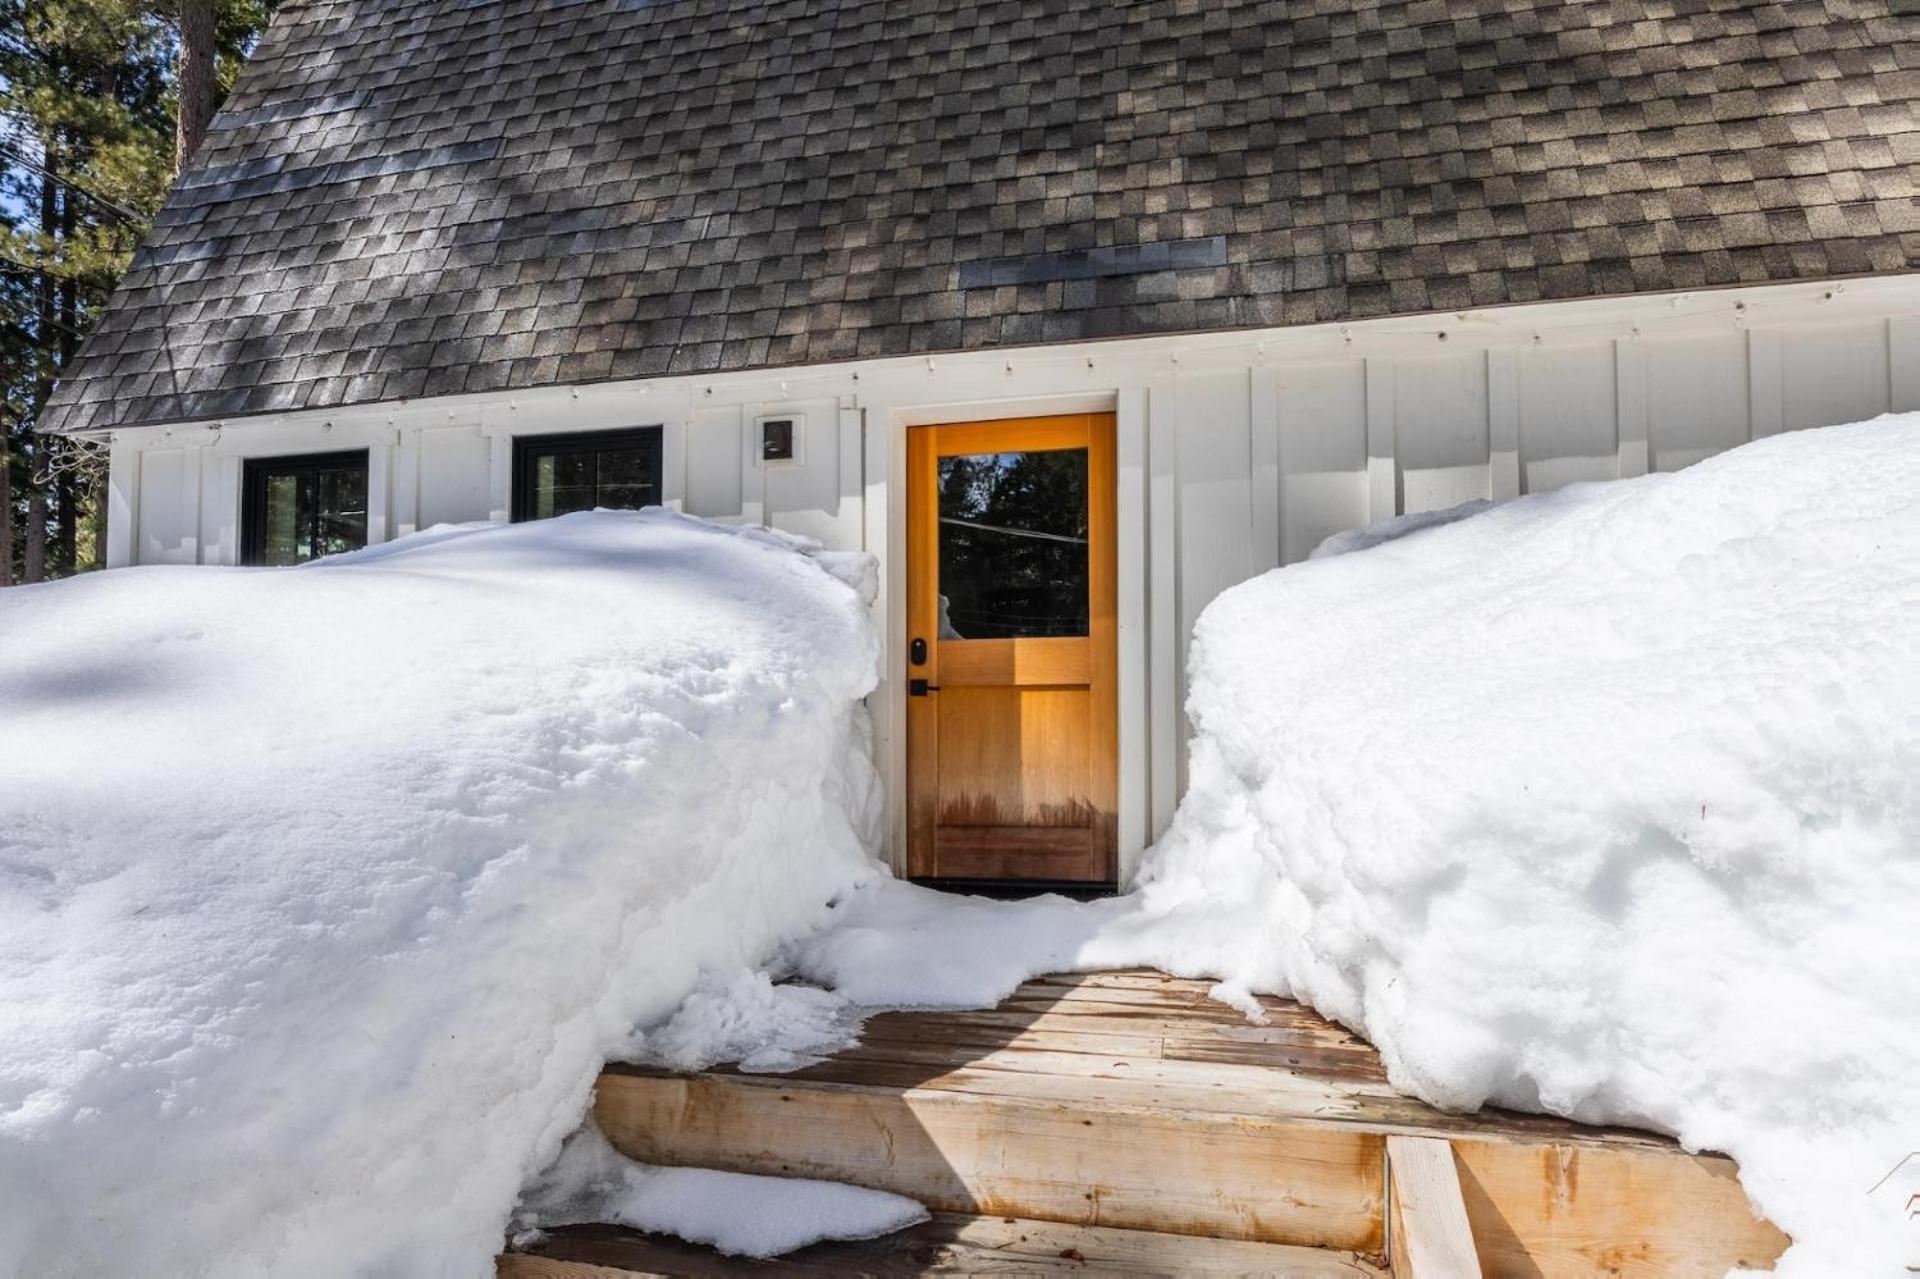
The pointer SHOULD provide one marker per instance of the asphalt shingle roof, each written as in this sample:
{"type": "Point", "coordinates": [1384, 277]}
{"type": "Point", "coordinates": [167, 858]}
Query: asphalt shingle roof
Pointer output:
{"type": "Point", "coordinates": [418, 197]}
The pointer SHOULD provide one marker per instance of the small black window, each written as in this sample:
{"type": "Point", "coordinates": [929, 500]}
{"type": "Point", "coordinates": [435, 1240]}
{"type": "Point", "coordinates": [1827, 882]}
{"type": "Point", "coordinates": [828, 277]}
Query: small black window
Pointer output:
{"type": "Point", "coordinates": [560, 474]}
{"type": "Point", "coordinates": [294, 509]}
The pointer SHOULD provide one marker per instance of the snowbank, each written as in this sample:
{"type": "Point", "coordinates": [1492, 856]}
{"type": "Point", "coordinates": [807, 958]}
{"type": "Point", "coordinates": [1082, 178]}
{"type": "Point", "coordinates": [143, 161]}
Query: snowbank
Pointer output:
{"type": "Point", "coordinates": [1605, 802]}
{"type": "Point", "coordinates": [324, 892]}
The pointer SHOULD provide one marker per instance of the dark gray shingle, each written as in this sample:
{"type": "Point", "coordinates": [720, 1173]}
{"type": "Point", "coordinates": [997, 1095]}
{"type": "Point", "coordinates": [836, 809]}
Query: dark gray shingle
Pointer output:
{"type": "Point", "coordinates": [410, 197]}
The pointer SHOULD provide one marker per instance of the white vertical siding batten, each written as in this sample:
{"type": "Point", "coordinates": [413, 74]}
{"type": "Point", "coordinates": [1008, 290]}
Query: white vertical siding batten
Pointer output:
{"type": "Point", "coordinates": [1165, 680]}
{"type": "Point", "coordinates": [123, 498]}
{"type": "Point", "coordinates": [1630, 406]}
{"type": "Point", "coordinates": [379, 485]}
{"type": "Point", "coordinates": [1765, 400]}
{"type": "Point", "coordinates": [1503, 423]}
{"type": "Point", "coordinates": [1130, 508]}
{"type": "Point", "coordinates": [673, 465]}
{"type": "Point", "coordinates": [1264, 411]}
{"type": "Point", "coordinates": [1383, 480]}
{"type": "Point", "coordinates": [1903, 364]}
{"type": "Point", "coordinates": [405, 515]}
{"type": "Point", "coordinates": [500, 477]}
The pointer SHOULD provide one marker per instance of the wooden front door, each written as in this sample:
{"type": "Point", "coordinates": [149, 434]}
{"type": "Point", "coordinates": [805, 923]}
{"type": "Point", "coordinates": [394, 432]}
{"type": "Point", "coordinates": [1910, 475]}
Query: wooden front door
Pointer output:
{"type": "Point", "coordinates": [1012, 746]}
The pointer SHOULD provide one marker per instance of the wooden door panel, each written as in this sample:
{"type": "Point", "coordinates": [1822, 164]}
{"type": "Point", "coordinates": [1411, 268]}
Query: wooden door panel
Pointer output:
{"type": "Point", "coordinates": [1015, 757]}
{"type": "Point", "coordinates": [1011, 740]}
{"type": "Point", "coordinates": [1016, 662]}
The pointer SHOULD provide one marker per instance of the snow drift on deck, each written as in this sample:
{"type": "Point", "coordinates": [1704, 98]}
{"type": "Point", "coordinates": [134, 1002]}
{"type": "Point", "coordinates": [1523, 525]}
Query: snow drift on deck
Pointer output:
{"type": "Point", "coordinates": [324, 892]}
{"type": "Point", "coordinates": [1604, 802]}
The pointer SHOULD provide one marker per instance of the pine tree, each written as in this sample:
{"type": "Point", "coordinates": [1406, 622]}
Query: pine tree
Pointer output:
{"type": "Point", "coordinates": [91, 133]}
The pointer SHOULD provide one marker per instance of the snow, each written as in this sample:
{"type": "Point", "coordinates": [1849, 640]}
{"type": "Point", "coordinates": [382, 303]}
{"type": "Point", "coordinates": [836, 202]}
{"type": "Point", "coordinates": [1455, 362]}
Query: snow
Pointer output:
{"type": "Point", "coordinates": [1604, 802]}
{"type": "Point", "coordinates": [738, 1214]}
{"type": "Point", "coordinates": [750, 1021]}
{"type": "Point", "coordinates": [324, 892]}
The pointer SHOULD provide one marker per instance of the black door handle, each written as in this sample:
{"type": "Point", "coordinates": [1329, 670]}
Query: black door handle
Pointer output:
{"type": "Point", "coordinates": [920, 688]}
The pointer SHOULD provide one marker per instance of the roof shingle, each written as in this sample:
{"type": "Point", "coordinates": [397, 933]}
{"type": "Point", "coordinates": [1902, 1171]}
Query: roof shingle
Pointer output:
{"type": "Point", "coordinates": [408, 197]}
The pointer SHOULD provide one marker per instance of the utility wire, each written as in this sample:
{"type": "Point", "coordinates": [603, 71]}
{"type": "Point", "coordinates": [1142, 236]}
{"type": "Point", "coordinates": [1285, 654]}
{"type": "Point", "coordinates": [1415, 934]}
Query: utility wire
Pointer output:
{"type": "Point", "coordinates": [23, 314]}
{"type": "Point", "coordinates": [23, 268]}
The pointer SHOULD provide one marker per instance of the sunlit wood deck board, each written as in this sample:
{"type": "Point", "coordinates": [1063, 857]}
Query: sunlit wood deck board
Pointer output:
{"type": "Point", "coordinates": [1133, 1100]}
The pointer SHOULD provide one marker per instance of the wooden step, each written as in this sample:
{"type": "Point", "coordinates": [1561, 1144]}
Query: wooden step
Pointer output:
{"type": "Point", "coordinates": [1133, 1101]}
{"type": "Point", "coordinates": [949, 1244]}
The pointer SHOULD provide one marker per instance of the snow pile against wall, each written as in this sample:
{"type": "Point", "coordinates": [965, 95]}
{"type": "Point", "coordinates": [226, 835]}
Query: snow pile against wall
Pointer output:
{"type": "Point", "coordinates": [324, 892]}
{"type": "Point", "coordinates": [1606, 803]}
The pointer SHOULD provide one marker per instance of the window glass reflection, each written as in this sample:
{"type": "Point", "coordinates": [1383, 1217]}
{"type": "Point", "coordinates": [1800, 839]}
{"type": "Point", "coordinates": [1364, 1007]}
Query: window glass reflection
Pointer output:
{"type": "Point", "coordinates": [1013, 544]}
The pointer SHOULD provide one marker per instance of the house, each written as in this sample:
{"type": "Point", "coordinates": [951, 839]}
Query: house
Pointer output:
{"type": "Point", "coordinates": [1072, 312]}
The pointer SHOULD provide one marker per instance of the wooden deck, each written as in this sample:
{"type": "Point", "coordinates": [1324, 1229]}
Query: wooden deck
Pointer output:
{"type": "Point", "coordinates": [1132, 1101]}
{"type": "Point", "coordinates": [947, 1245]}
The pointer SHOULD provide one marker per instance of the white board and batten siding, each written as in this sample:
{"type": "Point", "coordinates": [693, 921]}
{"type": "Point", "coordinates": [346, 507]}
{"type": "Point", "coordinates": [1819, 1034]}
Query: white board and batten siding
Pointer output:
{"type": "Point", "coordinates": [1236, 452]}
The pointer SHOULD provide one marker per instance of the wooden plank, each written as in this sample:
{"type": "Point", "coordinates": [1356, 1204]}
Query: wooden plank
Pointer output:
{"type": "Point", "coordinates": [1068, 1159]}
{"type": "Point", "coordinates": [877, 1039]}
{"type": "Point", "coordinates": [1015, 1025]}
{"type": "Point", "coordinates": [1564, 1210]}
{"type": "Point", "coordinates": [1214, 1091]}
{"type": "Point", "coordinates": [1118, 1057]}
{"type": "Point", "coordinates": [1036, 660]}
{"type": "Point", "coordinates": [949, 1244]}
{"type": "Point", "coordinates": [1149, 1156]}
{"type": "Point", "coordinates": [1013, 852]}
{"type": "Point", "coordinates": [1336, 1064]}
{"type": "Point", "coordinates": [1174, 998]}
{"type": "Point", "coordinates": [1428, 1235]}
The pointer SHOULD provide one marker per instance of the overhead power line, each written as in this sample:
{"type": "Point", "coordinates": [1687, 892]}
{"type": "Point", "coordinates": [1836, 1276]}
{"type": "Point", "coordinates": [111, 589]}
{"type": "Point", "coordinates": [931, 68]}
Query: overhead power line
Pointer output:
{"type": "Point", "coordinates": [24, 268]}
{"type": "Point", "coordinates": [24, 315]}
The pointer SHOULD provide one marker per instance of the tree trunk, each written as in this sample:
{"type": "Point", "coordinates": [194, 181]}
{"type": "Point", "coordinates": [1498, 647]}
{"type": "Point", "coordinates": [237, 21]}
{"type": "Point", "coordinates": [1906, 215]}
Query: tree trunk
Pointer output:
{"type": "Point", "coordinates": [6, 505]}
{"type": "Point", "coordinates": [66, 558]}
{"type": "Point", "coordinates": [195, 79]}
{"type": "Point", "coordinates": [97, 524]}
{"type": "Point", "coordinates": [66, 486]}
{"type": "Point", "coordinates": [36, 565]}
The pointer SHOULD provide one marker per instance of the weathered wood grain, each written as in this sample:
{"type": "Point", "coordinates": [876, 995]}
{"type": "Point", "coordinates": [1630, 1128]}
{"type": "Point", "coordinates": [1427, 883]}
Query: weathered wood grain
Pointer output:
{"type": "Point", "coordinates": [947, 1245]}
{"type": "Point", "coordinates": [1133, 1100]}
{"type": "Point", "coordinates": [1428, 1235]}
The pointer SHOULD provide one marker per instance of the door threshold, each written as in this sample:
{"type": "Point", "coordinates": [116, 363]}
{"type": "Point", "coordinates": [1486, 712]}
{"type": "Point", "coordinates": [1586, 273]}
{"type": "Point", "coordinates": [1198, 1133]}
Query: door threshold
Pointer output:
{"type": "Point", "coordinates": [1016, 889]}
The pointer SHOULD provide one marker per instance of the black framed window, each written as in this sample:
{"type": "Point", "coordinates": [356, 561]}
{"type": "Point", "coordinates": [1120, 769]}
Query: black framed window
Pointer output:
{"type": "Point", "coordinates": [559, 474]}
{"type": "Point", "coordinates": [294, 509]}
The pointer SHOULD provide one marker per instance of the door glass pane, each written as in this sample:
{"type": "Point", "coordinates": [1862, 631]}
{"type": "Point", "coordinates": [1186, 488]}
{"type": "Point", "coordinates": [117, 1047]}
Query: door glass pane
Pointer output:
{"type": "Point", "coordinates": [1013, 544]}
{"type": "Point", "coordinates": [629, 479]}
